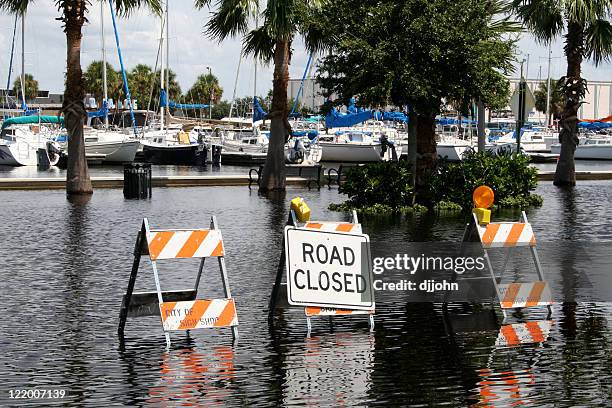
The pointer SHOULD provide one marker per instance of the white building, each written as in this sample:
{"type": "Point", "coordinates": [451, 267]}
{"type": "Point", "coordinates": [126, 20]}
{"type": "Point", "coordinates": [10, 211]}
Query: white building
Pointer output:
{"type": "Point", "coordinates": [598, 100]}
{"type": "Point", "coordinates": [311, 93]}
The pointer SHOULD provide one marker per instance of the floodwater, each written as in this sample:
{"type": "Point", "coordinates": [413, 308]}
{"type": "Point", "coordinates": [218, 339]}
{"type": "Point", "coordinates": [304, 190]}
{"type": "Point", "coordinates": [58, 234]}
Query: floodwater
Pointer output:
{"type": "Point", "coordinates": [65, 267]}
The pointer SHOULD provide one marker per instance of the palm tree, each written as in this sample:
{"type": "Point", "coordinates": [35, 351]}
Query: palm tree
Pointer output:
{"type": "Point", "coordinates": [31, 87]}
{"type": "Point", "coordinates": [206, 89]}
{"type": "Point", "coordinates": [557, 99]}
{"type": "Point", "coordinates": [587, 31]}
{"type": "Point", "coordinates": [93, 80]}
{"type": "Point", "coordinates": [74, 16]}
{"type": "Point", "coordinates": [282, 21]}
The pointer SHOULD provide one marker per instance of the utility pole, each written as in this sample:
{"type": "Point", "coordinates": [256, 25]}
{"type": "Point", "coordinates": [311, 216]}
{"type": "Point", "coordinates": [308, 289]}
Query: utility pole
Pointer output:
{"type": "Point", "coordinates": [520, 120]}
{"type": "Point", "coordinates": [548, 88]}
{"type": "Point", "coordinates": [211, 93]}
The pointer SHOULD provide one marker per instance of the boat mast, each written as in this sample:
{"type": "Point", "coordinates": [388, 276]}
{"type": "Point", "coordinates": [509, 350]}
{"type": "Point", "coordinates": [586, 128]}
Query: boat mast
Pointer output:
{"type": "Point", "coordinates": [10, 70]}
{"type": "Point", "coordinates": [23, 59]}
{"type": "Point", "coordinates": [161, 75]}
{"type": "Point", "coordinates": [104, 79]}
{"type": "Point", "coordinates": [235, 86]}
{"type": "Point", "coordinates": [255, 68]}
{"type": "Point", "coordinates": [548, 88]}
{"type": "Point", "coordinates": [167, 57]}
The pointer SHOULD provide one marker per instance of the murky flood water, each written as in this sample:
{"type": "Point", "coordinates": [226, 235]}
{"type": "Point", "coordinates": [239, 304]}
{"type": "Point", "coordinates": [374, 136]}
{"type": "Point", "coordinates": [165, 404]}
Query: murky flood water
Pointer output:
{"type": "Point", "coordinates": [65, 267]}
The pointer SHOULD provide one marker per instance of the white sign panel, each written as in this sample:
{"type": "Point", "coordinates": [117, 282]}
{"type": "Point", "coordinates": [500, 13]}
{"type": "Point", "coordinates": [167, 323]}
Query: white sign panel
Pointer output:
{"type": "Point", "coordinates": [328, 269]}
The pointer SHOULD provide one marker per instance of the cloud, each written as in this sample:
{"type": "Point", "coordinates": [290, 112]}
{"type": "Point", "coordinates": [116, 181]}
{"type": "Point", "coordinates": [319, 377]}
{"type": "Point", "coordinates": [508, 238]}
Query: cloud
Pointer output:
{"type": "Point", "coordinates": [190, 50]}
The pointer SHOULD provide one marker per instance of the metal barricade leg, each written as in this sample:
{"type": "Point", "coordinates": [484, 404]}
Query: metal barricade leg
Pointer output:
{"type": "Point", "coordinates": [499, 299]}
{"type": "Point", "coordinates": [197, 283]}
{"type": "Point", "coordinates": [224, 278]}
{"type": "Point", "coordinates": [160, 297]}
{"type": "Point", "coordinates": [536, 260]}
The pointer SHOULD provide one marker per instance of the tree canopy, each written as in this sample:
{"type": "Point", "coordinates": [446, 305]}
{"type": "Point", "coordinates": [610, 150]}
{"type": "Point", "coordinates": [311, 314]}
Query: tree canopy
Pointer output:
{"type": "Point", "coordinates": [416, 52]}
{"type": "Point", "coordinates": [206, 89]}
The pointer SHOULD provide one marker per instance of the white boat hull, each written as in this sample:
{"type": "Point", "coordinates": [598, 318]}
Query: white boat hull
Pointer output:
{"type": "Point", "coordinates": [113, 152]}
{"type": "Point", "coordinates": [588, 151]}
{"type": "Point", "coordinates": [451, 152]}
{"type": "Point", "coordinates": [18, 154]}
{"type": "Point", "coordinates": [350, 152]}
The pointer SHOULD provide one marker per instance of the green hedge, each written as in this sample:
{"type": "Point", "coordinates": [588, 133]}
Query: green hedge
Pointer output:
{"type": "Point", "coordinates": [386, 186]}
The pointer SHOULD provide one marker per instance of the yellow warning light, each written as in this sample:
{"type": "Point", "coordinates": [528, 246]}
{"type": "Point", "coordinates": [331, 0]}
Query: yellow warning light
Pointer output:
{"type": "Point", "coordinates": [299, 206]}
{"type": "Point", "coordinates": [483, 197]}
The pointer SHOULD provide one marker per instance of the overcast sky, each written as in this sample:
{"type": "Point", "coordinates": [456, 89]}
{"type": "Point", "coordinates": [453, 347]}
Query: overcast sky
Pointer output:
{"type": "Point", "coordinates": [190, 51]}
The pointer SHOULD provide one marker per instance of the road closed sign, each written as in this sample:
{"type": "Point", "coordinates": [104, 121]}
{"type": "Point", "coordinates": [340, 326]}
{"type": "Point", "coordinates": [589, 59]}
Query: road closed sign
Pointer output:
{"type": "Point", "coordinates": [328, 269]}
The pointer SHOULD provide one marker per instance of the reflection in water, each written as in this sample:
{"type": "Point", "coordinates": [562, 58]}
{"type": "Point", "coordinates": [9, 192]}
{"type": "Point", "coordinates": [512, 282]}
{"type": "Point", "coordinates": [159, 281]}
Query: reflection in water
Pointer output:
{"type": "Point", "coordinates": [75, 292]}
{"type": "Point", "coordinates": [191, 377]}
{"type": "Point", "coordinates": [330, 370]}
{"type": "Point", "coordinates": [505, 389]}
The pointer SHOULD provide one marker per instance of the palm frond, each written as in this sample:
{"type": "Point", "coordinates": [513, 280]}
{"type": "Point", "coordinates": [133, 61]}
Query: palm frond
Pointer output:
{"type": "Point", "coordinates": [125, 7]}
{"type": "Point", "coordinates": [585, 11]}
{"type": "Point", "coordinates": [501, 18]}
{"type": "Point", "coordinates": [598, 41]}
{"type": "Point", "coordinates": [259, 43]}
{"type": "Point", "coordinates": [15, 6]}
{"type": "Point", "coordinates": [200, 4]}
{"type": "Point", "coordinates": [230, 19]}
{"type": "Point", "coordinates": [281, 17]}
{"type": "Point", "coordinates": [544, 18]}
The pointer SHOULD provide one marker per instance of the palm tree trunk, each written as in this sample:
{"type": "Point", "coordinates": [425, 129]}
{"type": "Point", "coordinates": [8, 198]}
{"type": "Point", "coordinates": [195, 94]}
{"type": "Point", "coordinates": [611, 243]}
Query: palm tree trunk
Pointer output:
{"type": "Point", "coordinates": [426, 149]}
{"type": "Point", "coordinates": [77, 177]}
{"type": "Point", "coordinates": [273, 177]}
{"type": "Point", "coordinates": [565, 175]}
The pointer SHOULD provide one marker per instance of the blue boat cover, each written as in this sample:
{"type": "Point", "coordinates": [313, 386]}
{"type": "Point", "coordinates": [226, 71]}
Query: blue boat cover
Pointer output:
{"type": "Point", "coordinates": [336, 119]}
{"type": "Point", "coordinates": [165, 103]}
{"type": "Point", "coordinates": [258, 112]}
{"type": "Point", "coordinates": [100, 113]}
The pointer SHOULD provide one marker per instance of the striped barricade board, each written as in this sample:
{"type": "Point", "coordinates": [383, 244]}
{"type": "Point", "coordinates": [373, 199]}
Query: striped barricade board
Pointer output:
{"type": "Point", "coordinates": [198, 314]}
{"type": "Point", "coordinates": [524, 333]}
{"type": "Point", "coordinates": [506, 234]}
{"type": "Point", "coordinates": [530, 294]}
{"type": "Point", "coordinates": [330, 311]}
{"type": "Point", "coordinates": [334, 226]}
{"type": "Point", "coordinates": [175, 244]}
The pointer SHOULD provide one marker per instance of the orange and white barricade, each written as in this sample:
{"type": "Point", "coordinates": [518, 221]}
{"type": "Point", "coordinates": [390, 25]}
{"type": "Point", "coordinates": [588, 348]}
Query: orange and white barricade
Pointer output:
{"type": "Point", "coordinates": [512, 335]}
{"type": "Point", "coordinates": [510, 235]}
{"type": "Point", "coordinates": [180, 310]}
{"type": "Point", "coordinates": [299, 217]}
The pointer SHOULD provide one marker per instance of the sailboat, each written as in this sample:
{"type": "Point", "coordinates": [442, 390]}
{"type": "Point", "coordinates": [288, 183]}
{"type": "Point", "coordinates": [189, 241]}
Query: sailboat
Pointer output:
{"type": "Point", "coordinates": [104, 145]}
{"type": "Point", "coordinates": [170, 145]}
{"type": "Point", "coordinates": [26, 140]}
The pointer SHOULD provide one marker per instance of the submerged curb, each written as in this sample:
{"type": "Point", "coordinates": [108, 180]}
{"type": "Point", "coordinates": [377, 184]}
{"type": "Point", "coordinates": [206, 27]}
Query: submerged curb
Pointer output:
{"type": "Point", "coordinates": [51, 183]}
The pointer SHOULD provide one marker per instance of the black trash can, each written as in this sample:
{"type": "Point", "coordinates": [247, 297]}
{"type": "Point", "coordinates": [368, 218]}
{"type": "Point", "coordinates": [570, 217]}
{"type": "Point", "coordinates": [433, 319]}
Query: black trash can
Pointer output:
{"type": "Point", "coordinates": [216, 154]}
{"type": "Point", "coordinates": [137, 180]}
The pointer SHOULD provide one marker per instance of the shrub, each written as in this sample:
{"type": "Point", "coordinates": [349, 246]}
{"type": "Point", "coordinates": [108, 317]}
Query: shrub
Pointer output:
{"type": "Point", "coordinates": [386, 186]}
{"type": "Point", "coordinates": [510, 177]}
{"type": "Point", "coordinates": [386, 183]}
